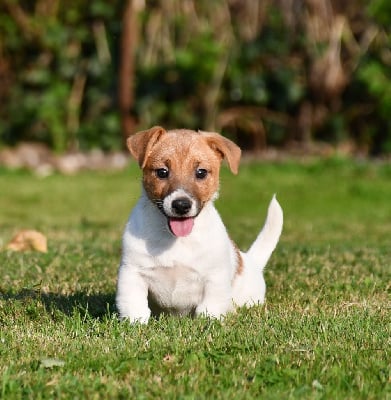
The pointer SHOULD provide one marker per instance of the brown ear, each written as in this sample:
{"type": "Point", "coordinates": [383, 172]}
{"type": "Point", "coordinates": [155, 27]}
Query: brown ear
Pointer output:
{"type": "Point", "coordinates": [141, 143]}
{"type": "Point", "coordinates": [228, 149]}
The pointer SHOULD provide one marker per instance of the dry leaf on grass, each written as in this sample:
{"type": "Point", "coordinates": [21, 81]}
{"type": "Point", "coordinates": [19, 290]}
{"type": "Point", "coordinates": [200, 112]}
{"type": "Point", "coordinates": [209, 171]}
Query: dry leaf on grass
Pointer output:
{"type": "Point", "coordinates": [51, 363]}
{"type": "Point", "coordinates": [27, 240]}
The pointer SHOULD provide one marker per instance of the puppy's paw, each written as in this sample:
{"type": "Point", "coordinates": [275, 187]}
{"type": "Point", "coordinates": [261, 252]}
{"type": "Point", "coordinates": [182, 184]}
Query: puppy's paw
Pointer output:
{"type": "Point", "coordinates": [137, 320]}
{"type": "Point", "coordinates": [213, 310]}
{"type": "Point", "coordinates": [134, 316]}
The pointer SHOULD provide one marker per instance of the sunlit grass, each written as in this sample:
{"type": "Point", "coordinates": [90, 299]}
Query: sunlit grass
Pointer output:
{"type": "Point", "coordinates": [324, 331]}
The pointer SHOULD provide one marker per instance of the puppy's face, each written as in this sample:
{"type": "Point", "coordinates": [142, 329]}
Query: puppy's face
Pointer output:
{"type": "Point", "coordinates": [181, 171]}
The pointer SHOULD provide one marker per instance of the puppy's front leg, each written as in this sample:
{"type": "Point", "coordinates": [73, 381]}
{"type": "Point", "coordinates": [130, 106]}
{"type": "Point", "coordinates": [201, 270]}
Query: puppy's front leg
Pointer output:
{"type": "Point", "coordinates": [217, 299]}
{"type": "Point", "coordinates": [132, 296]}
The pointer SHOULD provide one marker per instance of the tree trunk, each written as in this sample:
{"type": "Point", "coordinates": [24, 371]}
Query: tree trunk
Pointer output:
{"type": "Point", "coordinates": [127, 69]}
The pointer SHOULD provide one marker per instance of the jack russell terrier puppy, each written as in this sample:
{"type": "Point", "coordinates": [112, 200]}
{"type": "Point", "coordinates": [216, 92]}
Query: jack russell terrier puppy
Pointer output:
{"type": "Point", "coordinates": [177, 256]}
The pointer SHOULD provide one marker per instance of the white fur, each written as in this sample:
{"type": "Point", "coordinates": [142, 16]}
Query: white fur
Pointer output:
{"type": "Point", "coordinates": [196, 272]}
{"type": "Point", "coordinates": [249, 287]}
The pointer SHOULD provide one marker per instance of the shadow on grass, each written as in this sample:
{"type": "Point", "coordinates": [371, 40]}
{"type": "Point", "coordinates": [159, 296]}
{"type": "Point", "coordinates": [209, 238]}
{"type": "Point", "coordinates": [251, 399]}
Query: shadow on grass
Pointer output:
{"type": "Point", "coordinates": [88, 305]}
{"type": "Point", "coordinates": [94, 305]}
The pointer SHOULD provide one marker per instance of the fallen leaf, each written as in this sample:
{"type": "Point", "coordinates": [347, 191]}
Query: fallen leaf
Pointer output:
{"type": "Point", "coordinates": [51, 362]}
{"type": "Point", "coordinates": [27, 240]}
{"type": "Point", "coordinates": [317, 385]}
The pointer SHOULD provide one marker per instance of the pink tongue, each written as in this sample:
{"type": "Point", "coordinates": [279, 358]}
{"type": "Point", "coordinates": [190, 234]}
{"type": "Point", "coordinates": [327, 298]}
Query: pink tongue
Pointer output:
{"type": "Point", "coordinates": [181, 226]}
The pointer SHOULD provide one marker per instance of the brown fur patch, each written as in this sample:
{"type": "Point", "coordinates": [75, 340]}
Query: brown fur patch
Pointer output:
{"type": "Point", "coordinates": [239, 265]}
{"type": "Point", "coordinates": [182, 153]}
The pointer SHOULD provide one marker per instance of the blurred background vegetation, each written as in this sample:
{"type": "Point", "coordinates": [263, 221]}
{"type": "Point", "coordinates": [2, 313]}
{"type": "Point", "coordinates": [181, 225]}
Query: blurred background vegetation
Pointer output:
{"type": "Point", "coordinates": [81, 74]}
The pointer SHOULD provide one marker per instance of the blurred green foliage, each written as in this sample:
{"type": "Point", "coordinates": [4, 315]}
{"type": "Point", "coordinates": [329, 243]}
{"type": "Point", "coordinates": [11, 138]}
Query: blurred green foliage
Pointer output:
{"type": "Point", "coordinates": [374, 73]}
{"type": "Point", "coordinates": [262, 72]}
{"type": "Point", "coordinates": [59, 73]}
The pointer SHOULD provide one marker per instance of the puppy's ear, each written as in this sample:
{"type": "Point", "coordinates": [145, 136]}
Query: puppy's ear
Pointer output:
{"type": "Point", "coordinates": [141, 143]}
{"type": "Point", "coordinates": [226, 148]}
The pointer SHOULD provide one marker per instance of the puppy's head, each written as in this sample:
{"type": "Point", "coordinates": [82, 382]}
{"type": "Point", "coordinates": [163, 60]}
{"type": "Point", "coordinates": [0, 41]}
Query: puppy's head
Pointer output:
{"type": "Point", "coordinates": [181, 171]}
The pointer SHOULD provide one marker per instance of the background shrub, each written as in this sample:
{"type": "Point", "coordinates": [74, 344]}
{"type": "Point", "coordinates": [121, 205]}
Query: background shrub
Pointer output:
{"type": "Point", "coordinates": [263, 72]}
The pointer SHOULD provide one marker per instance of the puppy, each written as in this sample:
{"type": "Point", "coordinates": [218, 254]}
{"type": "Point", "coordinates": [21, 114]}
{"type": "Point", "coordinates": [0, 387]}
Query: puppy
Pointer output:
{"type": "Point", "coordinates": [177, 256]}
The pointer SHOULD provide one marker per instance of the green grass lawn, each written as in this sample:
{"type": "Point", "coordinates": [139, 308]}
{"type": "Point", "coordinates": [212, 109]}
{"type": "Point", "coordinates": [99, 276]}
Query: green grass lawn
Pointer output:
{"type": "Point", "coordinates": [324, 332]}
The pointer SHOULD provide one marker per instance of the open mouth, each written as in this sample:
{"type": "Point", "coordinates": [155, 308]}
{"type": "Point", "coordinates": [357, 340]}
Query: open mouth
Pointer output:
{"type": "Point", "coordinates": [180, 209]}
{"type": "Point", "coordinates": [180, 227]}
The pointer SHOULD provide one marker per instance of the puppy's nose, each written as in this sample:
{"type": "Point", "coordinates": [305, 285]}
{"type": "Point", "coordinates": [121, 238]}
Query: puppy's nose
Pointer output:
{"type": "Point", "coordinates": [181, 206]}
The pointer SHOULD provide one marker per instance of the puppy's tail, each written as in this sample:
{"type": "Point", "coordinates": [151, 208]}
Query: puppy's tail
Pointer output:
{"type": "Point", "coordinates": [263, 246]}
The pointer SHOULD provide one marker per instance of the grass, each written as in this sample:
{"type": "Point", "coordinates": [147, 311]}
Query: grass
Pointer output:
{"type": "Point", "coordinates": [324, 332]}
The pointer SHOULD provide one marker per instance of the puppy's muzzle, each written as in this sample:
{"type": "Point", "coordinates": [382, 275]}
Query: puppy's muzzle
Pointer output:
{"type": "Point", "coordinates": [181, 206]}
{"type": "Point", "coordinates": [180, 209]}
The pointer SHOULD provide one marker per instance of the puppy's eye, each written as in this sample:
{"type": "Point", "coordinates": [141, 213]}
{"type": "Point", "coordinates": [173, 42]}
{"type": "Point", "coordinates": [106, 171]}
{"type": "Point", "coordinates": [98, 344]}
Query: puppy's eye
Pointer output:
{"type": "Point", "coordinates": [201, 173]}
{"type": "Point", "coordinates": [162, 173]}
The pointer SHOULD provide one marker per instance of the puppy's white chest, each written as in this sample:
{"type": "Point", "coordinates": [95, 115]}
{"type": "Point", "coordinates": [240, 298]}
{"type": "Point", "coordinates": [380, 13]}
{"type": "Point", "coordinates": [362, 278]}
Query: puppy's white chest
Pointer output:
{"type": "Point", "coordinates": [178, 289]}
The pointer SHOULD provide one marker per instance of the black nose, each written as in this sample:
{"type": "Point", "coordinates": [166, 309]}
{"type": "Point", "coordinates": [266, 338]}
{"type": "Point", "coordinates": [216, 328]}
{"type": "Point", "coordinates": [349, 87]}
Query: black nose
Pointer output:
{"type": "Point", "coordinates": [181, 206]}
